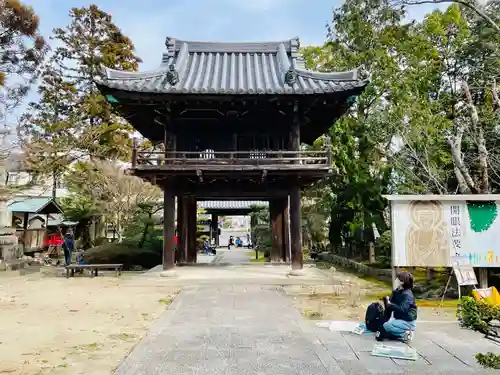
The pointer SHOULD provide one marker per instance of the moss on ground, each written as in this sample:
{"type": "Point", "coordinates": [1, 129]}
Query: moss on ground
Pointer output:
{"type": "Point", "coordinates": [260, 257]}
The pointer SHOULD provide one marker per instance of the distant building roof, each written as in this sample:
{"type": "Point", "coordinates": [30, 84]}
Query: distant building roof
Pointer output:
{"type": "Point", "coordinates": [190, 67]}
{"type": "Point", "coordinates": [230, 205]}
{"type": "Point", "coordinates": [34, 205]}
{"type": "Point", "coordinates": [58, 220]}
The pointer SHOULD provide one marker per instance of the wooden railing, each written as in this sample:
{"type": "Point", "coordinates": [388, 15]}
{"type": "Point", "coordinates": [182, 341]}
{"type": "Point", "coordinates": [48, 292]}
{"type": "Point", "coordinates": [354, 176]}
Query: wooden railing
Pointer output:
{"type": "Point", "coordinates": [211, 157]}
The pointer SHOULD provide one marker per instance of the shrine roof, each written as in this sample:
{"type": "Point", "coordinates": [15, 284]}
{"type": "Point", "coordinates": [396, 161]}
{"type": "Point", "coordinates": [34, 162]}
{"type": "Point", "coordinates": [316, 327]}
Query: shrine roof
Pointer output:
{"type": "Point", "coordinates": [231, 205]}
{"type": "Point", "coordinates": [190, 67]}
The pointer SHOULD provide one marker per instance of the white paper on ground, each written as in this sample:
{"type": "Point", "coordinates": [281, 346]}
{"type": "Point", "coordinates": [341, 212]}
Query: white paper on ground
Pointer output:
{"type": "Point", "coordinates": [343, 326]}
{"type": "Point", "coordinates": [323, 324]}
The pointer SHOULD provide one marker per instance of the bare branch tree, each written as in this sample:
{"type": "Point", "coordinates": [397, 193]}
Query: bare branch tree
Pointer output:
{"type": "Point", "coordinates": [471, 4]}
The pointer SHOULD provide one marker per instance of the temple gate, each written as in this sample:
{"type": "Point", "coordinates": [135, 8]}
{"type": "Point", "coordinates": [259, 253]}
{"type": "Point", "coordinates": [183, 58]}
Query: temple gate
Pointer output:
{"type": "Point", "coordinates": [231, 118]}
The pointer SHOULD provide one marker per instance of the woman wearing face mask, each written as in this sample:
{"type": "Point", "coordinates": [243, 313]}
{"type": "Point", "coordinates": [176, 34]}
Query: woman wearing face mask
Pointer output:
{"type": "Point", "coordinates": [402, 305]}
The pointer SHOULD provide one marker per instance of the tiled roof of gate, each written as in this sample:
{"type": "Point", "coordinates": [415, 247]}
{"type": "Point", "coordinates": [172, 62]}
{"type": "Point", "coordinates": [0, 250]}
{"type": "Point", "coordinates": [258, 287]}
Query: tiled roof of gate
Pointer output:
{"type": "Point", "coordinates": [233, 68]}
{"type": "Point", "coordinates": [230, 205]}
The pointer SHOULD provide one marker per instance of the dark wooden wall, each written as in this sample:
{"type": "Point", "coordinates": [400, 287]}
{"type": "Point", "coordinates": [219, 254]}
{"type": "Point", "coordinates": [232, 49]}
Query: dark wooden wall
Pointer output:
{"type": "Point", "coordinates": [233, 136]}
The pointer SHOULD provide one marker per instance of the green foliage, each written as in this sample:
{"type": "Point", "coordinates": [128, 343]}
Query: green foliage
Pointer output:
{"type": "Point", "coordinates": [22, 50]}
{"type": "Point", "coordinates": [72, 119]}
{"type": "Point", "coordinates": [261, 230]}
{"type": "Point", "coordinates": [384, 244]}
{"type": "Point", "coordinates": [489, 360]}
{"type": "Point", "coordinates": [414, 128]}
{"type": "Point", "coordinates": [477, 314]}
{"type": "Point", "coordinates": [100, 241]}
{"type": "Point", "coordinates": [128, 254]}
{"type": "Point", "coordinates": [79, 207]}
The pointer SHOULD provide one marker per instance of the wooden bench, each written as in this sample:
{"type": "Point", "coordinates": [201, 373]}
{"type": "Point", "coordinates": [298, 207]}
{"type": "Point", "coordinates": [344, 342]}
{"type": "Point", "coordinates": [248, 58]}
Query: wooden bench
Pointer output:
{"type": "Point", "coordinates": [93, 268]}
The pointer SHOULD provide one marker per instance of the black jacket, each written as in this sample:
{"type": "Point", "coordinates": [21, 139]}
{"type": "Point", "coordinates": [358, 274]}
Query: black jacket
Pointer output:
{"type": "Point", "coordinates": [403, 305]}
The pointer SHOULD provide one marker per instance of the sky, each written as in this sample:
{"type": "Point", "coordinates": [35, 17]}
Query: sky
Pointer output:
{"type": "Point", "coordinates": [149, 22]}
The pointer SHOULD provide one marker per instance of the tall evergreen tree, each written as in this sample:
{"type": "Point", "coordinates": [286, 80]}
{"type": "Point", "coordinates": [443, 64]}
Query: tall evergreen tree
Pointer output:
{"type": "Point", "coordinates": [21, 52]}
{"type": "Point", "coordinates": [73, 120]}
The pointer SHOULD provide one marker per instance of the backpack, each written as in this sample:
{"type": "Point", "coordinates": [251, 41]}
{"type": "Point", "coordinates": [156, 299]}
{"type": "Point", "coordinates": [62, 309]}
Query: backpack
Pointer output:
{"type": "Point", "coordinates": [374, 316]}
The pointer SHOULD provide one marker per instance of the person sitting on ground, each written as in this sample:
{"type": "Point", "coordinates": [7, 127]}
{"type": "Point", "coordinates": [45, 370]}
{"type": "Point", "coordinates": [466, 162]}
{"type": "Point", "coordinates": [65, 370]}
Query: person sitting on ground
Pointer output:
{"type": "Point", "coordinates": [402, 306]}
{"type": "Point", "coordinates": [206, 248]}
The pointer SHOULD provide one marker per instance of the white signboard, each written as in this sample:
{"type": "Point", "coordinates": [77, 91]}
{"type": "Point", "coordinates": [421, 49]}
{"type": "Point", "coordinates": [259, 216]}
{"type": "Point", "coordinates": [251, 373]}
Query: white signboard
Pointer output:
{"type": "Point", "coordinates": [465, 275]}
{"type": "Point", "coordinates": [438, 233]}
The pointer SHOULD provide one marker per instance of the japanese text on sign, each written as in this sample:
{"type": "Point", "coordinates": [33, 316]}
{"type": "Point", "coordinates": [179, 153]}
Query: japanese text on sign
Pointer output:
{"type": "Point", "coordinates": [456, 232]}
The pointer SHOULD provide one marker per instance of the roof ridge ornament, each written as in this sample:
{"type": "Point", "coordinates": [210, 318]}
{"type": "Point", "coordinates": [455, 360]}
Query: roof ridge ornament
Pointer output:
{"type": "Point", "coordinates": [290, 77]}
{"type": "Point", "coordinates": [172, 75]}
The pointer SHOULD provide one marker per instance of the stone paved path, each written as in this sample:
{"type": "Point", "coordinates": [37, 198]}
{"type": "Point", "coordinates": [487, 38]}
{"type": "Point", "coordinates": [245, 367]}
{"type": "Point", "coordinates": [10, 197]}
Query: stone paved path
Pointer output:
{"type": "Point", "coordinates": [240, 322]}
{"type": "Point", "coordinates": [233, 256]}
{"type": "Point", "coordinates": [236, 329]}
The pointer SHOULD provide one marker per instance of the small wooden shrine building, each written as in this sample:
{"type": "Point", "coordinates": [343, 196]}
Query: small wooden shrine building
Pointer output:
{"type": "Point", "coordinates": [231, 117]}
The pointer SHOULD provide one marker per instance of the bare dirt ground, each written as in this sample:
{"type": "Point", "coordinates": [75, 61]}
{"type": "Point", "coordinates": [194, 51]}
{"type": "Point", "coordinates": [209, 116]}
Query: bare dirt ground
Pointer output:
{"type": "Point", "coordinates": [349, 298]}
{"type": "Point", "coordinates": [81, 325]}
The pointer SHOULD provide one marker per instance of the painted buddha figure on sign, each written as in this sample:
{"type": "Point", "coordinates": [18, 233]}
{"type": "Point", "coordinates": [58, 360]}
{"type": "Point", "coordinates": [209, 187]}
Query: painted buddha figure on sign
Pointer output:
{"type": "Point", "coordinates": [427, 237]}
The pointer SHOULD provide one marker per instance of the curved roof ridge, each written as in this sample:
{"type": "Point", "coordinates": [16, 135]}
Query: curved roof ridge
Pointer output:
{"type": "Point", "coordinates": [112, 74]}
{"type": "Point", "coordinates": [348, 75]}
{"type": "Point", "coordinates": [291, 45]}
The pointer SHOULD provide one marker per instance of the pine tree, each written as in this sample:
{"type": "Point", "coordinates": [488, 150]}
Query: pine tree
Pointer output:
{"type": "Point", "coordinates": [73, 120]}
{"type": "Point", "coordinates": [21, 51]}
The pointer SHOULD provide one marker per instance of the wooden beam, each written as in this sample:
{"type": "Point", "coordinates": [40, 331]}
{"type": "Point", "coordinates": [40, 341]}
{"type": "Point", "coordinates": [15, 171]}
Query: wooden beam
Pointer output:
{"type": "Point", "coordinates": [296, 229]}
{"type": "Point", "coordinates": [168, 230]}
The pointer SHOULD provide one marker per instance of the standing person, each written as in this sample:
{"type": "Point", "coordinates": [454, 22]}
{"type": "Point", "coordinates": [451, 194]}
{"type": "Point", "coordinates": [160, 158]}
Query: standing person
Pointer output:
{"type": "Point", "coordinates": [68, 246]}
{"type": "Point", "coordinates": [402, 305]}
{"type": "Point", "coordinates": [231, 242]}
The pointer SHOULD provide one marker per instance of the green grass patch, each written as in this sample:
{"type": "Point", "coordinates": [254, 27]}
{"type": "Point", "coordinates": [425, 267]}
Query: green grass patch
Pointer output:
{"type": "Point", "coordinates": [260, 256]}
{"type": "Point", "coordinates": [450, 303]}
{"type": "Point", "coordinates": [311, 314]}
{"type": "Point", "coordinates": [165, 301]}
{"type": "Point", "coordinates": [373, 280]}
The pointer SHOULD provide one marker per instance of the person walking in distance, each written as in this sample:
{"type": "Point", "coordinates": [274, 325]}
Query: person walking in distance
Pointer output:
{"type": "Point", "coordinates": [68, 246]}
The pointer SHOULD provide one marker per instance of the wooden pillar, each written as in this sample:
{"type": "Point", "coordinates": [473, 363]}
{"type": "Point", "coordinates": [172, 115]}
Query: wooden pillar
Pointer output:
{"type": "Point", "coordinates": [168, 229]}
{"type": "Point", "coordinates": [279, 230]}
{"type": "Point", "coordinates": [26, 218]}
{"type": "Point", "coordinates": [285, 256]}
{"type": "Point", "coordinates": [192, 230]}
{"type": "Point", "coordinates": [215, 228]}
{"type": "Point", "coordinates": [182, 229]}
{"type": "Point", "coordinates": [276, 241]}
{"type": "Point", "coordinates": [295, 134]}
{"type": "Point", "coordinates": [295, 214]}
{"type": "Point", "coordinates": [295, 229]}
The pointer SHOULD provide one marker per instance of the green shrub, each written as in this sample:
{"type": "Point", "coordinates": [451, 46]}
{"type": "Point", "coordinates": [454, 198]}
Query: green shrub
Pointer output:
{"type": "Point", "coordinates": [489, 360]}
{"type": "Point", "coordinates": [200, 240]}
{"type": "Point", "coordinates": [383, 245]}
{"type": "Point", "coordinates": [126, 253]}
{"type": "Point", "coordinates": [477, 314]}
{"type": "Point", "coordinates": [100, 241]}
